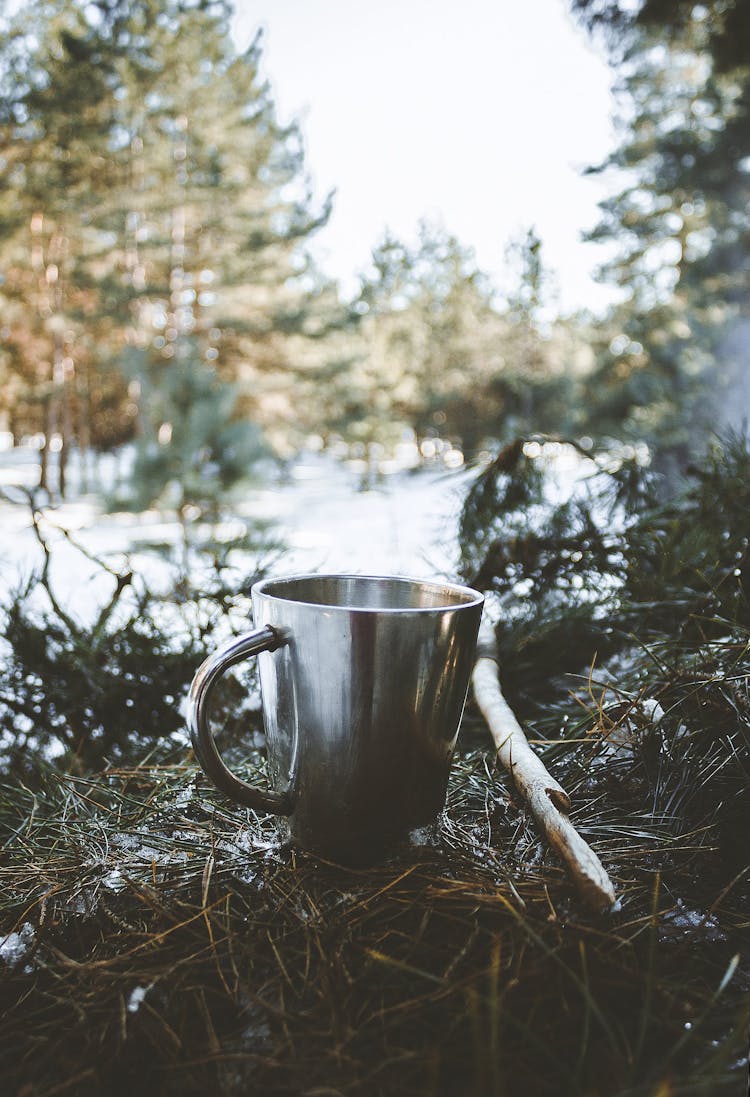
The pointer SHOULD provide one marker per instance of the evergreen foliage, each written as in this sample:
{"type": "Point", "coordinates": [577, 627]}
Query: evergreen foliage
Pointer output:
{"type": "Point", "coordinates": [56, 172]}
{"type": "Point", "coordinates": [443, 356]}
{"type": "Point", "coordinates": [111, 688]}
{"type": "Point", "coordinates": [156, 204]}
{"type": "Point", "coordinates": [192, 449]}
{"type": "Point", "coordinates": [625, 598]}
{"type": "Point", "coordinates": [673, 360]}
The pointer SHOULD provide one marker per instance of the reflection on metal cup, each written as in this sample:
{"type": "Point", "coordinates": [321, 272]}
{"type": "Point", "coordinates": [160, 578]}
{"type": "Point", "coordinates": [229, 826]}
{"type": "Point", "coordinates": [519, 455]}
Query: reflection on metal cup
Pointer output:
{"type": "Point", "coordinates": [363, 682]}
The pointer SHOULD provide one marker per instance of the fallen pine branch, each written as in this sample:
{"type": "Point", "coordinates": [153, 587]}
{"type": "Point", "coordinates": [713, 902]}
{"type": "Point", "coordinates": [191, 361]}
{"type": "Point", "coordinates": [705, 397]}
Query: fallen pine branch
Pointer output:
{"type": "Point", "coordinates": [548, 801]}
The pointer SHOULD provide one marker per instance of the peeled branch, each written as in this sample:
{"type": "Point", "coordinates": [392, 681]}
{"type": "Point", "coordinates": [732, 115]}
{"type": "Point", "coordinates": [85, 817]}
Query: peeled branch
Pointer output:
{"type": "Point", "coordinates": [548, 801]}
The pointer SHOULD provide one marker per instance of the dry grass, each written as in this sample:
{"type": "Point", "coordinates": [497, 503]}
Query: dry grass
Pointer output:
{"type": "Point", "coordinates": [176, 948]}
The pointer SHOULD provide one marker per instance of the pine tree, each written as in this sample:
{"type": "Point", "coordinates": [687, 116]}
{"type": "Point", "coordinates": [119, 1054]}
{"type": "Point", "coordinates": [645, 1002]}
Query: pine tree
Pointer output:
{"type": "Point", "coordinates": [681, 220]}
{"type": "Point", "coordinates": [431, 345]}
{"type": "Point", "coordinates": [55, 165]}
{"type": "Point", "coordinates": [543, 350]}
{"type": "Point", "coordinates": [193, 449]}
{"type": "Point", "coordinates": [441, 356]}
{"type": "Point", "coordinates": [220, 213]}
{"type": "Point", "coordinates": [185, 213]}
{"type": "Point", "coordinates": [464, 344]}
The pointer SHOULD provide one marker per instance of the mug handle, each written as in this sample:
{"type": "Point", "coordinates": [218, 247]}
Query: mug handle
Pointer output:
{"type": "Point", "coordinates": [234, 651]}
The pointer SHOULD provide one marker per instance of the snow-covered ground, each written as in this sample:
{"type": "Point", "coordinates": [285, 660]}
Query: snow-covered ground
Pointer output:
{"type": "Point", "coordinates": [405, 526]}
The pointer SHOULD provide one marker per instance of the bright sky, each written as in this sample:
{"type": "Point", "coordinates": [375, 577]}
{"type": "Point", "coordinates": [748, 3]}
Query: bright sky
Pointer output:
{"type": "Point", "coordinates": [478, 113]}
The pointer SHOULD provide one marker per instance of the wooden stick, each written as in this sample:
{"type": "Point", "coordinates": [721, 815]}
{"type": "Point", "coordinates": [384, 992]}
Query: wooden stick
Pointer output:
{"type": "Point", "coordinates": [548, 800]}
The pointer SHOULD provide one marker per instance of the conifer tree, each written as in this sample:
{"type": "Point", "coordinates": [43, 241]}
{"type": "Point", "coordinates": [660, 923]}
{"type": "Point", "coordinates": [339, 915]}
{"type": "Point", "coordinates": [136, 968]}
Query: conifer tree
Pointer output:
{"type": "Point", "coordinates": [55, 166]}
{"type": "Point", "coordinates": [680, 221]}
{"type": "Point", "coordinates": [220, 212]}
{"type": "Point", "coordinates": [431, 344]}
{"type": "Point", "coordinates": [442, 356]}
{"type": "Point", "coordinates": [543, 350]}
{"type": "Point", "coordinates": [185, 214]}
{"type": "Point", "coordinates": [464, 344]}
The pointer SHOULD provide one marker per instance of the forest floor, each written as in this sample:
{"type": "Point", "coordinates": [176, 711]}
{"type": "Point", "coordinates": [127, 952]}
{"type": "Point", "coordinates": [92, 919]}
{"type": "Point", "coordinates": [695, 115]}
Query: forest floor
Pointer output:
{"type": "Point", "coordinates": [154, 937]}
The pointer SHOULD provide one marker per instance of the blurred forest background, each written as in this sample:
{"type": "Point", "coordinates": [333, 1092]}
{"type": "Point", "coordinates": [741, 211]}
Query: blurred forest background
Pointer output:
{"type": "Point", "coordinates": [156, 285]}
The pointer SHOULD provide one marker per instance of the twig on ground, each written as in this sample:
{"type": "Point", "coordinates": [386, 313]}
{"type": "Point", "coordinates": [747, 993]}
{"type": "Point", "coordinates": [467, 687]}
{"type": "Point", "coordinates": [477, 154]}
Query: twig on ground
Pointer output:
{"type": "Point", "coordinates": [547, 800]}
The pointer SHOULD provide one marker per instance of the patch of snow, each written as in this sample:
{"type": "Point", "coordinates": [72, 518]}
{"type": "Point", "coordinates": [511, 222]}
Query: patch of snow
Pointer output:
{"type": "Point", "coordinates": [680, 922]}
{"type": "Point", "coordinates": [124, 841]}
{"type": "Point", "coordinates": [16, 946]}
{"type": "Point", "coordinates": [183, 797]}
{"type": "Point", "coordinates": [652, 710]}
{"type": "Point", "coordinates": [428, 836]}
{"type": "Point", "coordinates": [114, 881]}
{"type": "Point", "coordinates": [139, 852]}
{"type": "Point", "coordinates": [78, 904]}
{"type": "Point", "coordinates": [137, 995]}
{"type": "Point", "coordinates": [406, 526]}
{"type": "Point", "coordinates": [245, 876]}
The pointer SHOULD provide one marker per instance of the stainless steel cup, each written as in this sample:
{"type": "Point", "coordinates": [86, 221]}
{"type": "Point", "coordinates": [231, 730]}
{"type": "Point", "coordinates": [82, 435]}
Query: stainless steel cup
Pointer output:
{"type": "Point", "coordinates": [363, 682]}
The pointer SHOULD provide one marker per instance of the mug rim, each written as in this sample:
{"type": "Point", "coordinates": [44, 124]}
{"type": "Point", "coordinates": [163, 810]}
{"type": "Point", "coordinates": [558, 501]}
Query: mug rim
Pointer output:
{"type": "Point", "coordinates": [472, 597]}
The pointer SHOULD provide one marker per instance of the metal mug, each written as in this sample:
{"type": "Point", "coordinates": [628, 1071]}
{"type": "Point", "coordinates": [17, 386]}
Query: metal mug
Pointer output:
{"type": "Point", "coordinates": [363, 684]}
